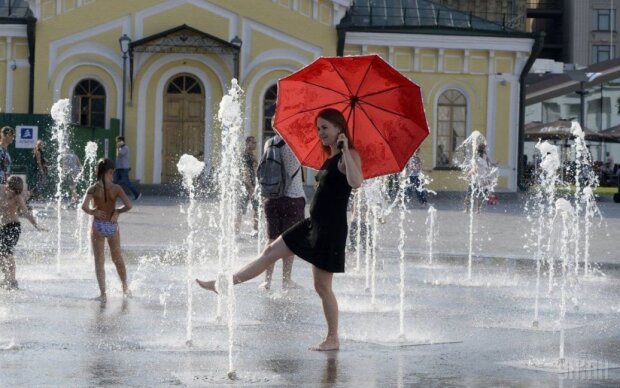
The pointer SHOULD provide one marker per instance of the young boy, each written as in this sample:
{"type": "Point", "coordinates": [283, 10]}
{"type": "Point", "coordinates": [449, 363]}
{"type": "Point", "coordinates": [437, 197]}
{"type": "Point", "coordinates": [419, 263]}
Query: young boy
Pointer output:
{"type": "Point", "coordinates": [12, 205]}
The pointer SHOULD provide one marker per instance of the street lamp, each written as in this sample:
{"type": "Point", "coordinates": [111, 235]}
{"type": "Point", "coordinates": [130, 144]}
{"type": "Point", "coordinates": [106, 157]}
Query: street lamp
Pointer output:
{"type": "Point", "coordinates": [236, 43]}
{"type": "Point", "coordinates": [124, 42]}
{"type": "Point", "coordinates": [582, 77]}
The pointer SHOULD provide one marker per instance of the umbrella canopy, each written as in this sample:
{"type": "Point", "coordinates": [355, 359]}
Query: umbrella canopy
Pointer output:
{"type": "Point", "coordinates": [383, 109]}
{"type": "Point", "coordinates": [555, 130]}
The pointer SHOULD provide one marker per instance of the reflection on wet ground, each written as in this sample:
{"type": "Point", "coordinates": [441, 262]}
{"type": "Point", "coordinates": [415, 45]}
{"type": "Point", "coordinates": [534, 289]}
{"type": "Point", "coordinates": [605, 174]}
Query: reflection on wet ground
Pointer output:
{"type": "Point", "coordinates": [457, 331]}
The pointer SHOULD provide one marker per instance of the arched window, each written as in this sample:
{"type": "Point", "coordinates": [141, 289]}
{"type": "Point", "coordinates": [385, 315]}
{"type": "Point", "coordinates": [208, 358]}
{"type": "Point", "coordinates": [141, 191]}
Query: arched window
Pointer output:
{"type": "Point", "coordinates": [269, 109]}
{"type": "Point", "coordinates": [89, 104]}
{"type": "Point", "coordinates": [451, 125]}
{"type": "Point", "coordinates": [184, 84]}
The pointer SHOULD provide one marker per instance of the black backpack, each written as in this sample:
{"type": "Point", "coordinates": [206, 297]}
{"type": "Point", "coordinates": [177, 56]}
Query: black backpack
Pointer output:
{"type": "Point", "coordinates": [271, 173]}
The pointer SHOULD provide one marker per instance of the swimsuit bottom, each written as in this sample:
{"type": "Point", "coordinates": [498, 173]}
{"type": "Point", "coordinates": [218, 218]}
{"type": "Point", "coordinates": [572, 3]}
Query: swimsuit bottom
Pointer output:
{"type": "Point", "coordinates": [105, 228]}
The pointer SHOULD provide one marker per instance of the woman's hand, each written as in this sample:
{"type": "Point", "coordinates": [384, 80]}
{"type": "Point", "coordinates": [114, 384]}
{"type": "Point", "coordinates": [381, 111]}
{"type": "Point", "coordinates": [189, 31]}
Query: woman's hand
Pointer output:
{"type": "Point", "coordinates": [99, 214]}
{"type": "Point", "coordinates": [342, 142]}
{"type": "Point", "coordinates": [114, 217]}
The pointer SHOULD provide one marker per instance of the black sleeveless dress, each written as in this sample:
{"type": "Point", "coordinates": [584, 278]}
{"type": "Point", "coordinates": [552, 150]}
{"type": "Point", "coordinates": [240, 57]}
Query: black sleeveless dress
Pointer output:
{"type": "Point", "coordinates": [321, 239]}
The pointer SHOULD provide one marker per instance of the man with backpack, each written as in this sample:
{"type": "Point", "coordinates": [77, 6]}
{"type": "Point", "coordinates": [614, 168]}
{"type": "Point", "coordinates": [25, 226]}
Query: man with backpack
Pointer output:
{"type": "Point", "coordinates": [280, 179]}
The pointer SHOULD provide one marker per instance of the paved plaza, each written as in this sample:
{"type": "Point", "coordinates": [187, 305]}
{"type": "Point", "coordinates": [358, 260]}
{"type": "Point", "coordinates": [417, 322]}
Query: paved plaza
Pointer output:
{"type": "Point", "coordinates": [458, 332]}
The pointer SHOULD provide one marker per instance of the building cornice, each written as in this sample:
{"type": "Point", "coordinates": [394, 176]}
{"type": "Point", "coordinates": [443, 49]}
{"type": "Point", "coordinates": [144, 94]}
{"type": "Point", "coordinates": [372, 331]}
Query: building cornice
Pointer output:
{"type": "Point", "coordinates": [440, 41]}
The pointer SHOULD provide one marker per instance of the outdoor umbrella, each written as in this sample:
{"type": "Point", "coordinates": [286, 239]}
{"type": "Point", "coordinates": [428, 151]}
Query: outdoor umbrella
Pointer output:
{"type": "Point", "coordinates": [383, 108]}
{"type": "Point", "coordinates": [555, 130]}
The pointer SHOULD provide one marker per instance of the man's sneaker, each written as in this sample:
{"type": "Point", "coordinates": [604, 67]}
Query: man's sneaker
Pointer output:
{"type": "Point", "coordinates": [138, 197]}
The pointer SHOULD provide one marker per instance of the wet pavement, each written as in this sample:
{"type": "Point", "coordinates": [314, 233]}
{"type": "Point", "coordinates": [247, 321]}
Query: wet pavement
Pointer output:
{"type": "Point", "coordinates": [458, 332]}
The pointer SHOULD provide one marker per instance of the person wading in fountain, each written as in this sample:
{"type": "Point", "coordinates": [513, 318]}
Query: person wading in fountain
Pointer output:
{"type": "Point", "coordinates": [320, 239]}
{"type": "Point", "coordinates": [12, 204]}
{"type": "Point", "coordinates": [103, 195]}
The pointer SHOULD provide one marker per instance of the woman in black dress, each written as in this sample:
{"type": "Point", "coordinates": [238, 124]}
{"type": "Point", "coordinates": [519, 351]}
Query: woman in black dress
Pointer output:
{"type": "Point", "coordinates": [320, 239]}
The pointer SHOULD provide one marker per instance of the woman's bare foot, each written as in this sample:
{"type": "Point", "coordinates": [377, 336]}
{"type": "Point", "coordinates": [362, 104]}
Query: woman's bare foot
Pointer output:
{"type": "Point", "coordinates": [127, 293]}
{"type": "Point", "coordinates": [290, 285]}
{"type": "Point", "coordinates": [328, 344]}
{"type": "Point", "coordinates": [101, 298]}
{"type": "Point", "coordinates": [264, 286]}
{"type": "Point", "coordinates": [210, 285]}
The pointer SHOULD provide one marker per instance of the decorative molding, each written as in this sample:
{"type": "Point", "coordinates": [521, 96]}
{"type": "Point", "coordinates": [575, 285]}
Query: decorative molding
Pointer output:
{"type": "Point", "coordinates": [249, 26]}
{"type": "Point", "coordinates": [62, 74]}
{"type": "Point", "coordinates": [13, 30]}
{"type": "Point", "coordinates": [277, 55]}
{"type": "Point", "coordinates": [124, 23]}
{"type": "Point", "coordinates": [251, 86]}
{"type": "Point", "coordinates": [232, 17]}
{"type": "Point", "coordinates": [9, 90]}
{"type": "Point", "coordinates": [440, 41]}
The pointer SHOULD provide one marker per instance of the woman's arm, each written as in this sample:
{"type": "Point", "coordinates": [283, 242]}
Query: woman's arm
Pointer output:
{"type": "Point", "coordinates": [27, 214]}
{"type": "Point", "coordinates": [126, 203]}
{"type": "Point", "coordinates": [86, 202]}
{"type": "Point", "coordinates": [352, 163]}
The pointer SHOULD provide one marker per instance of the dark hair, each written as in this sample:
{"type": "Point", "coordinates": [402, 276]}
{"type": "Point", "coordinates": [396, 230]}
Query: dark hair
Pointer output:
{"type": "Point", "coordinates": [335, 117]}
{"type": "Point", "coordinates": [249, 139]}
{"type": "Point", "coordinates": [6, 130]}
{"type": "Point", "coordinates": [104, 165]}
{"type": "Point", "coordinates": [120, 138]}
{"type": "Point", "coordinates": [15, 184]}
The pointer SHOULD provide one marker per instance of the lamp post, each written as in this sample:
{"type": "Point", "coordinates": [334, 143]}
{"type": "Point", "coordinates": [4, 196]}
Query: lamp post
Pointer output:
{"type": "Point", "coordinates": [582, 77]}
{"type": "Point", "coordinates": [236, 43]}
{"type": "Point", "coordinates": [124, 42]}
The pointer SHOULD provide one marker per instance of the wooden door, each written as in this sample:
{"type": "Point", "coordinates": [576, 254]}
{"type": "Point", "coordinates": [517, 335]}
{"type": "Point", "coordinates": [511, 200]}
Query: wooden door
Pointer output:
{"type": "Point", "coordinates": [183, 126]}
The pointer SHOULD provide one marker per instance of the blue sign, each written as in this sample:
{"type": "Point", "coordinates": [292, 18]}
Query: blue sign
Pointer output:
{"type": "Point", "coordinates": [26, 136]}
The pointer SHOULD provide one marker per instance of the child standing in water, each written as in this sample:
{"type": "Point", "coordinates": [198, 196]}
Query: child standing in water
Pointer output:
{"type": "Point", "coordinates": [12, 205]}
{"type": "Point", "coordinates": [102, 196]}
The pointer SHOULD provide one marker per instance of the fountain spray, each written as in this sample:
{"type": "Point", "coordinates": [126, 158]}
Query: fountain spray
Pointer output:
{"type": "Point", "coordinates": [61, 113]}
{"type": "Point", "coordinates": [190, 168]}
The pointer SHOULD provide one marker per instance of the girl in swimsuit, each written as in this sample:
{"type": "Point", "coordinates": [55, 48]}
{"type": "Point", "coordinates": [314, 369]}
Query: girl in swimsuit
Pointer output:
{"type": "Point", "coordinates": [320, 239]}
{"type": "Point", "coordinates": [103, 195]}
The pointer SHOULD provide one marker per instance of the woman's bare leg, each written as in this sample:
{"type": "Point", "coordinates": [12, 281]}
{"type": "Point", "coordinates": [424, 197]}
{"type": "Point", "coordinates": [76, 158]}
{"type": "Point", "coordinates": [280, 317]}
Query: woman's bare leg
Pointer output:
{"type": "Point", "coordinates": [268, 272]}
{"type": "Point", "coordinates": [270, 255]}
{"type": "Point", "coordinates": [287, 271]}
{"type": "Point", "coordinates": [117, 258]}
{"type": "Point", "coordinates": [97, 242]}
{"type": "Point", "coordinates": [323, 286]}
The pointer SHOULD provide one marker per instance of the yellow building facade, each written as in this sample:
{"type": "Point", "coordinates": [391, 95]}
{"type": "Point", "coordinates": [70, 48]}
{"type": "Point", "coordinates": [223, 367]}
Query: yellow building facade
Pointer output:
{"type": "Point", "coordinates": [184, 53]}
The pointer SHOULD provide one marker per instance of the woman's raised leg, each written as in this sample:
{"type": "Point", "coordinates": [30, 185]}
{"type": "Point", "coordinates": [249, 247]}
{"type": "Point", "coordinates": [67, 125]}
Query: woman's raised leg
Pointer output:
{"type": "Point", "coordinates": [272, 252]}
{"type": "Point", "coordinates": [323, 286]}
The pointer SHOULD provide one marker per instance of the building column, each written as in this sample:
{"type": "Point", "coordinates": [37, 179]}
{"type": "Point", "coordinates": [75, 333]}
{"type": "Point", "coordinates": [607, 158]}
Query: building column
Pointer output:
{"type": "Point", "coordinates": [8, 99]}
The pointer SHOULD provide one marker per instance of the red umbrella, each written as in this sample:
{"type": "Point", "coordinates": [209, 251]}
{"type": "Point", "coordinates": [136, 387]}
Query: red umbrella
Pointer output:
{"type": "Point", "coordinates": [383, 108]}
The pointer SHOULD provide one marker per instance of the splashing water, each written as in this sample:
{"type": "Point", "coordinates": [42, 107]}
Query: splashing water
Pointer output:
{"type": "Point", "coordinates": [481, 180]}
{"type": "Point", "coordinates": [86, 175]}
{"type": "Point", "coordinates": [190, 168]}
{"type": "Point", "coordinates": [585, 181]}
{"type": "Point", "coordinates": [566, 212]}
{"type": "Point", "coordinates": [544, 208]}
{"type": "Point", "coordinates": [431, 231]}
{"type": "Point", "coordinates": [231, 188]}
{"type": "Point", "coordinates": [61, 112]}
{"type": "Point", "coordinates": [401, 250]}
